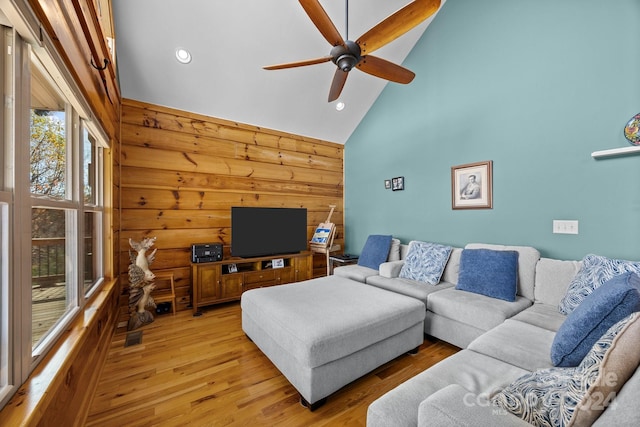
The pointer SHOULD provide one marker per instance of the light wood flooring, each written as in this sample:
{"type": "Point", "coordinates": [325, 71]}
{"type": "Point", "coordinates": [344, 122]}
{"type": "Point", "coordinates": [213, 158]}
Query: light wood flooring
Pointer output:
{"type": "Point", "coordinates": [203, 371]}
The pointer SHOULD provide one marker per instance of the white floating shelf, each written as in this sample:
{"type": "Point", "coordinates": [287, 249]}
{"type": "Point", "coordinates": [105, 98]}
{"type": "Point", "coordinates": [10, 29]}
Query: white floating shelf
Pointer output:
{"type": "Point", "coordinates": [616, 152]}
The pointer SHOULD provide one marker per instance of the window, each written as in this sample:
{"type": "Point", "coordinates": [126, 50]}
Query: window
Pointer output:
{"type": "Point", "coordinates": [6, 349]}
{"type": "Point", "coordinates": [51, 191]}
{"type": "Point", "coordinates": [52, 283]}
{"type": "Point", "coordinates": [93, 170]}
{"type": "Point", "coordinates": [4, 298]}
{"type": "Point", "coordinates": [54, 212]}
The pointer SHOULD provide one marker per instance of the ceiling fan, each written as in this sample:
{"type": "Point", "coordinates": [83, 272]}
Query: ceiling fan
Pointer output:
{"type": "Point", "coordinates": [347, 54]}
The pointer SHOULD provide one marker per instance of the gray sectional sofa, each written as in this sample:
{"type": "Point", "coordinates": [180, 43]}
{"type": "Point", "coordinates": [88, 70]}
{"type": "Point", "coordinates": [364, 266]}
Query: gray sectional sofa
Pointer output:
{"type": "Point", "coordinates": [502, 342]}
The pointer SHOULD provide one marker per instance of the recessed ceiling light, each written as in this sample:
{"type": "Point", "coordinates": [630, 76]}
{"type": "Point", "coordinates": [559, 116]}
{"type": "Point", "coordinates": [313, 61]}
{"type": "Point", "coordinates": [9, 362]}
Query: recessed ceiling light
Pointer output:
{"type": "Point", "coordinates": [183, 56]}
{"type": "Point", "coordinates": [340, 106]}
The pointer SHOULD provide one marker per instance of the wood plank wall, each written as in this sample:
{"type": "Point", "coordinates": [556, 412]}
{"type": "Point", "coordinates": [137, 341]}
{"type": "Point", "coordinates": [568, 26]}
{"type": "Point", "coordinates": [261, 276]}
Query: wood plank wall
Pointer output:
{"type": "Point", "coordinates": [181, 173]}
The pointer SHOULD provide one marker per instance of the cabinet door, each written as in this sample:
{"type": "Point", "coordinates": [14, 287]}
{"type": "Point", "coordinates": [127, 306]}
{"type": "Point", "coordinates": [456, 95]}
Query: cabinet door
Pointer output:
{"type": "Point", "coordinates": [284, 275]}
{"type": "Point", "coordinates": [208, 283]}
{"type": "Point", "coordinates": [231, 285]}
{"type": "Point", "coordinates": [302, 267]}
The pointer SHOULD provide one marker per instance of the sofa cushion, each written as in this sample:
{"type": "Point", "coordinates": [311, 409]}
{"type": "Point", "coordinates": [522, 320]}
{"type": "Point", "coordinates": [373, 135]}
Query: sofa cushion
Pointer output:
{"type": "Point", "coordinates": [517, 343]}
{"type": "Point", "coordinates": [475, 372]}
{"type": "Point", "coordinates": [594, 272]}
{"type": "Point", "coordinates": [544, 316]}
{"type": "Point", "coordinates": [355, 272]}
{"type": "Point", "coordinates": [390, 269]}
{"type": "Point", "coordinates": [375, 251]}
{"type": "Point", "coordinates": [527, 260]}
{"type": "Point", "coordinates": [474, 309]}
{"type": "Point", "coordinates": [578, 395]}
{"type": "Point", "coordinates": [408, 287]}
{"type": "Point", "coordinates": [452, 269]}
{"type": "Point", "coordinates": [552, 279]}
{"type": "Point", "coordinates": [605, 306]}
{"type": "Point", "coordinates": [489, 272]}
{"type": "Point", "coordinates": [394, 250]}
{"type": "Point", "coordinates": [444, 409]}
{"type": "Point", "coordinates": [425, 262]}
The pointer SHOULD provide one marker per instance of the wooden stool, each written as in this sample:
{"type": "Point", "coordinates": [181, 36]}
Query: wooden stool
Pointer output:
{"type": "Point", "coordinates": [166, 295]}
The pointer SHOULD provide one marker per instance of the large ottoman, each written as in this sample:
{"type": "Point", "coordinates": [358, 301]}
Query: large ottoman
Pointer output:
{"type": "Point", "coordinates": [324, 333]}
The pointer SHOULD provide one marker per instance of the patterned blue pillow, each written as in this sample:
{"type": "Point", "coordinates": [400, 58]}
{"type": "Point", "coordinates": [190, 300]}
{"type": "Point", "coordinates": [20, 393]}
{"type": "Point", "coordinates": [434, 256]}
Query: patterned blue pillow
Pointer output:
{"type": "Point", "coordinates": [555, 396]}
{"type": "Point", "coordinates": [489, 272]}
{"type": "Point", "coordinates": [425, 262]}
{"type": "Point", "coordinates": [614, 300]}
{"type": "Point", "coordinates": [594, 272]}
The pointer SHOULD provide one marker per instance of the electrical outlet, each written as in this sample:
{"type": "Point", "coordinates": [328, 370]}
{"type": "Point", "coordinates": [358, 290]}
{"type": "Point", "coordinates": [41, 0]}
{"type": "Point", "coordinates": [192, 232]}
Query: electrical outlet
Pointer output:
{"type": "Point", "coordinates": [565, 226]}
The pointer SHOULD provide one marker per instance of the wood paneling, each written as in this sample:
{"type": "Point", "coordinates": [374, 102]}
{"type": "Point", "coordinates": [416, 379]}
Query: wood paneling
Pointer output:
{"type": "Point", "coordinates": [181, 173]}
{"type": "Point", "coordinates": [74, 29]}
{"type": "Point", "coordinates": [204, 371]}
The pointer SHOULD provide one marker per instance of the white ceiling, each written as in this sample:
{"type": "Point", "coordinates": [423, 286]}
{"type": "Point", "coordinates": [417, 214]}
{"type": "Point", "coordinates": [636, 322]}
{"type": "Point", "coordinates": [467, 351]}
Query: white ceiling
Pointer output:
{"type": "Point", "coordinates": [230, 41]}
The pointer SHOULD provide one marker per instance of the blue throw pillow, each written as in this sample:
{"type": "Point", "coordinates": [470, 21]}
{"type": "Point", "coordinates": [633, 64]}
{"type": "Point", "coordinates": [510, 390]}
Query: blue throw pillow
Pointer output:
{"type": "Point", "coordinates": [604, 307]}
{"type": "Point", "coordinates": [425, 262]}
{"type": "Point", "coordinates": [375, 251]}
{"type": "Point", "coordinates": [489, 272]}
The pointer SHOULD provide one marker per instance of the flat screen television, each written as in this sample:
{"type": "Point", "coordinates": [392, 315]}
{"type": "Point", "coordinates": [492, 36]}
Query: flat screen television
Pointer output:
{"type": "Point", "coordinates": [267, 231]}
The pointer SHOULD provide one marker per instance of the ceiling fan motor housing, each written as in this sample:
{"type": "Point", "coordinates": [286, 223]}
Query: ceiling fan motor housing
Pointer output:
{"type": "Point", "coordinates": [346, 57]}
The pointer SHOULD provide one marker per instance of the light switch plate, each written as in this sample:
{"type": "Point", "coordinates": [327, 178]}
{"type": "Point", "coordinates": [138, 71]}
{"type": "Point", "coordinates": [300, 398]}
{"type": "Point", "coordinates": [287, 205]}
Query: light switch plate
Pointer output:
{"type": "Point", "coordinates": [563, 226]}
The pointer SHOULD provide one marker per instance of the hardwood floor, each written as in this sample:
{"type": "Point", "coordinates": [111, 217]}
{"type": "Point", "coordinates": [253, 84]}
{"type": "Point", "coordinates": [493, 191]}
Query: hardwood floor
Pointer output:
{"type": "Point", "coordinates": [203, 371]}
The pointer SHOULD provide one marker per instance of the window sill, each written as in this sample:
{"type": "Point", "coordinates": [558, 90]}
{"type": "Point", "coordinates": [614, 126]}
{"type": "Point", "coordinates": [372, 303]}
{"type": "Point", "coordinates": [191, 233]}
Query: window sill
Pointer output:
{"type": "Point", "coordinates": [64, 367]}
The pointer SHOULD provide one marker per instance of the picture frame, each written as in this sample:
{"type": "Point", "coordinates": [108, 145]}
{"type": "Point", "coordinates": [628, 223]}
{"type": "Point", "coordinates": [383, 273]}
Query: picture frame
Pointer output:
{"type": "Point", "coordinates": [397, 183]}
{"type": "Point", "coordinates": [472, 186]}
{"type": "Point", "coordinates": [387, 184]}
{"type": "Point", "coordinates": [278, 263]}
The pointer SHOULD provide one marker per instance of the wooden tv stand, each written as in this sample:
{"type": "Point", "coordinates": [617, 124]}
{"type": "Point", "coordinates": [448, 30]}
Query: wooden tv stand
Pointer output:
{"type": "Point", "coordinates": [222, 281]}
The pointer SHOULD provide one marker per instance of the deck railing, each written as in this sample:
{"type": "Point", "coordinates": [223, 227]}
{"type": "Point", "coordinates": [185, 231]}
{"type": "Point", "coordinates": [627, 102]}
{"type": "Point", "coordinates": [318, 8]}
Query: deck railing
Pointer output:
{"type": "Point", "coordinates": [47, 262]}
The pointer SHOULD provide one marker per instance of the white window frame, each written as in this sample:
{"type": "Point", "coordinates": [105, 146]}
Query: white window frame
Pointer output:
{"type": "Point", "coordinates": [18, 359]}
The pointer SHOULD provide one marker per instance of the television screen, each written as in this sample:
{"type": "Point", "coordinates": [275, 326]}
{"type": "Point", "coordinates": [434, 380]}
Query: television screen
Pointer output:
{"type": "Point", "coordinates": [267, 231]}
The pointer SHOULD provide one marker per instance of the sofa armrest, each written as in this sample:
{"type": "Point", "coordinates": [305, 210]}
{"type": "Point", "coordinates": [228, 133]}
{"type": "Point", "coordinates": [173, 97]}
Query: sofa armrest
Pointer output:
{"type": "Point", "coordinates": [456, 406]}
{"type": "Point", "coordinates": [391, 269]}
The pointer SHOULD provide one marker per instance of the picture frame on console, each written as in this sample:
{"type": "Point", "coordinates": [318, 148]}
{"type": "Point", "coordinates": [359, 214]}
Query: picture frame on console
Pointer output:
{"type": "Point", "coordinates": [471, 186]}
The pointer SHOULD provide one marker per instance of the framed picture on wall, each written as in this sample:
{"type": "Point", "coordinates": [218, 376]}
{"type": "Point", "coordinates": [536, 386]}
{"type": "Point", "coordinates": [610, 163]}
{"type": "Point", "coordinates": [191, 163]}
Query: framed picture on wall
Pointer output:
{"type": "Point", "coordinates": [397, 184]}
{"type": "Point", "coordinates": [471, 186]}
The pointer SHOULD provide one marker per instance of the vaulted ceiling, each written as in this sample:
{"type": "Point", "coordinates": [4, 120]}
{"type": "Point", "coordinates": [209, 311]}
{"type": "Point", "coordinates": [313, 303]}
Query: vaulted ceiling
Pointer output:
{"type": "Point", "coordinates": [230, 42]}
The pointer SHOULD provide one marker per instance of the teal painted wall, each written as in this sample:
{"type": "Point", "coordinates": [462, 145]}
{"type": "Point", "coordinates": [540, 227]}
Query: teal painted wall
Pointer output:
{"type": "Point", "coordinates": [534, 86]}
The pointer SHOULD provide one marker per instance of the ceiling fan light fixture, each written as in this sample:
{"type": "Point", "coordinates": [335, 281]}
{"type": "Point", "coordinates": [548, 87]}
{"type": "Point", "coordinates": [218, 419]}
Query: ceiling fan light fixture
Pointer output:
{"type": "Point", "coordinates": [340, 106]}
{"type": "Point", "coordinates": [183, 55]}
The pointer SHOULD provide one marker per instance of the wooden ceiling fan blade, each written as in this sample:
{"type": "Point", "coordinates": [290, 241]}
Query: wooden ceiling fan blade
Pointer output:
{"type": "Point", "coordinates": [298, 63]}
{"type": "Point", "coordinates": [385, 70]}
{"type": "Point", "coordinates": [397, 24]}
{"type": "Point", "coordinates": [339, 79]}
{"type": "Point", "coordinates": [322, 21]}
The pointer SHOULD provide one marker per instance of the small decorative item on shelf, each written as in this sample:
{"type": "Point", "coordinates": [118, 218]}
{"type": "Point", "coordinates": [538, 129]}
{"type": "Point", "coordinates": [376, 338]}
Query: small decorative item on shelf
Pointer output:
{"type": "Point", "coordinates": [632, 130]}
